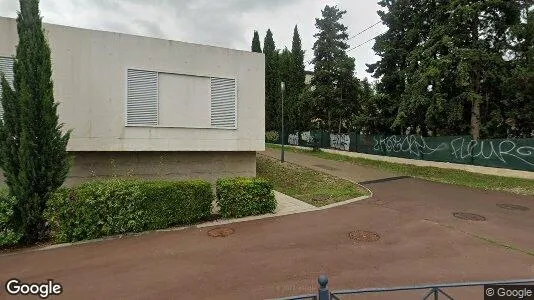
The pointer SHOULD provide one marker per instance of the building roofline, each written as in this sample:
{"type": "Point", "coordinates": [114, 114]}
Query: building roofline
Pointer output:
{"type": "Point", "coordinates": [136, 35]}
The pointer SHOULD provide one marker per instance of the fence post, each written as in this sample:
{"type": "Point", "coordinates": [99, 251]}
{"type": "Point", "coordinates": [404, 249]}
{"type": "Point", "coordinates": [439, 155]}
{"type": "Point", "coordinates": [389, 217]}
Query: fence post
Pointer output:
{"type": "Point", "coordinates": [324, 293]}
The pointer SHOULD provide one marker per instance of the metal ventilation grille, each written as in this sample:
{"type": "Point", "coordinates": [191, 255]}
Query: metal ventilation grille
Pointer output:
{"type": "Point", "coordinates": [6, 68]}
{"type": "Point", "coordinates": [142, 100]}
{"type": "Point", "coordinates": [223, 103]}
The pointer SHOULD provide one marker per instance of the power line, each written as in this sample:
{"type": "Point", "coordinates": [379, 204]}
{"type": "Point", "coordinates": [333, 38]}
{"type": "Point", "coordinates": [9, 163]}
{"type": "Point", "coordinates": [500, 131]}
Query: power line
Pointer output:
{"type": "Point", "coordinates": [358, 46]}
{"type": "Point", "coordinates": [369, 27]}
{"type": "Point", "coordinates": [357, 34]}
{"type": "Point", "coordinates": [353, 48]}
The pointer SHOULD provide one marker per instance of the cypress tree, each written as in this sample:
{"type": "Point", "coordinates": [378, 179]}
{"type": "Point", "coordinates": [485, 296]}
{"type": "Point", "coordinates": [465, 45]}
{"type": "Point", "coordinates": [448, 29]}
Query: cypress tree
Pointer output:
{"type": "Point", "coordinates": [297, 63]}
{"type": "Point", "coordinates": [256, 46]}
{"type": "Point", "coordinates": [284, 70]}
{"type": "Point", "coordinates": [33, 147]}
{"type": "Point", "coordinates": [272, 83]}
{"type": "Point", "coordinates": [296, 82]}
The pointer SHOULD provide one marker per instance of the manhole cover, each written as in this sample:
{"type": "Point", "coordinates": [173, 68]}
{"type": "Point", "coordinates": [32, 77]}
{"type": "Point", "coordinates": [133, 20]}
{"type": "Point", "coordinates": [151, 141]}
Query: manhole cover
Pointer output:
{"type": "Point", "coordinates": [512, 207]}
{"type": "Point", "coordinates": [469, 216]}
{"type": "Point", "coordinates": [364, 236]}
{"type": "Point", "coordinates": [221, 232]}
{"type": "Point", "coordinates": [325, 167]}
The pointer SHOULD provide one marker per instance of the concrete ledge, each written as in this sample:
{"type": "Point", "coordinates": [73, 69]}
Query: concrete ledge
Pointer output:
{"type": "Point", "coordinates": [425, 163]}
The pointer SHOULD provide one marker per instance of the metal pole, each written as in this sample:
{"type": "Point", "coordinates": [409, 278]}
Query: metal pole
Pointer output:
{"type": "Point", "coordinates": [323, 293]}
{"type": "Point", "coordinates": [283, 140]}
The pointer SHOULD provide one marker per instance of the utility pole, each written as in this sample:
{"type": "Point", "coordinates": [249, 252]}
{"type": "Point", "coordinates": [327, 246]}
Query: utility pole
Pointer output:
{"type": "Point", "coordinates": [283, 86]}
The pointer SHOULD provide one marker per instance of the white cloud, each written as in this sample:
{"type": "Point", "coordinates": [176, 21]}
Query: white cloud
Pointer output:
{"type": "Point", "coordinates": [225, 23]}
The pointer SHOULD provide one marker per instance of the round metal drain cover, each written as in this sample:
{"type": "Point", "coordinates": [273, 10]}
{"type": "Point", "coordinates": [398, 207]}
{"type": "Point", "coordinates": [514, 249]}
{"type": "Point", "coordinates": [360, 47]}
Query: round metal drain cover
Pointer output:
{"type": "Point", "coordinates": [364, 236]}
{"type": "Point", "coordinates": [221, 232]}
{"type": "Point", "coordinates": [513, 207]}
{"type": "Point", "coordinates": [469, 216]}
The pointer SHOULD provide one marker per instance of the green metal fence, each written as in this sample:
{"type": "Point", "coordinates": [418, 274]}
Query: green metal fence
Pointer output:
{"type": "Point", "coordinates": [515, 154]}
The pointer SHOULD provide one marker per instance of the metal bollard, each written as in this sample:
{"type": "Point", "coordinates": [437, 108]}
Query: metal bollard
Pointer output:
{"type": "Point", "coordinates": [324, 293]}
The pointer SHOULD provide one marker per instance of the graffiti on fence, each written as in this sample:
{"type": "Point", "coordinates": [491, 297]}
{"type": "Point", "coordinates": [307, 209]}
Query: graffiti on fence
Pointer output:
{"type": "Point", "coordinates": [307, 137]}
{"type": "Point", "coordinates": [465, 148]}
{"type": "Point", "coordinates": [460, 148]}
{"type": "Point", "coordinates": [293, 139]}
{"type": "Point", "coordinates": [340, 141]}
{"type": "Point", "coordinates": [410, 144]}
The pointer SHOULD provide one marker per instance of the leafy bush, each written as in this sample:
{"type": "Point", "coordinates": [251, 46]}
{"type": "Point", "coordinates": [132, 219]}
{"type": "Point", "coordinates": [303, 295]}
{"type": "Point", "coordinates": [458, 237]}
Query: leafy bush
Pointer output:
{"type": "Point", "coordinates": [8, 236]}
{"type": "Point", "coordinates": [241, 197]}
{"type": "Point", "coordinates": [176, 203]}
{"type": "Point", "coordinates": [272, 136]}
{"type": "Point", "coordinates": [103, 208]}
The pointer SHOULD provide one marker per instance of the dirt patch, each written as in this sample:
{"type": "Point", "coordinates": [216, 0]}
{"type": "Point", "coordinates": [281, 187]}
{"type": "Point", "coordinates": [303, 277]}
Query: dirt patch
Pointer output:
{"type": "Point", "coordinates": [513, 207]}
{"type": "Point", "coordinates": [363, 236]}
{"type": "Point", "coordinates": [468, 216]}
{"type": "Point", "coordinates": [221, 232]}
{"type": "Point", "coordinates": [325, 167]}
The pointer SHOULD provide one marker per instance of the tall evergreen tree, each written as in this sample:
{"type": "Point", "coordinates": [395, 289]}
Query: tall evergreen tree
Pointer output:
{"type": "Point", "coordinates": [296, 81]}
{"type": "Point", "coordinates": [256, 45]}
{"type": "Point", "coordinates": [285, 75]}
{"type": "Point", "coordinates": [405, 31]}
{"type": "Point", "coordinates": [461, 61]}
{"type": "Point", "coordinates": [333, 70]}
{"type": "Point", "coordinates": [442, 63]}
{"type": "Point", "coordinates": [518, 90]}
{"type": "Point", "coordinates": [272, 83]}
{"type": "Point", "coordinates": [33, 147]}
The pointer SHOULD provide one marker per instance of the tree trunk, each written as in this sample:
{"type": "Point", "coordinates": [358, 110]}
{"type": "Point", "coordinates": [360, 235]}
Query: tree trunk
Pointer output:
{"type": "Point", "coordinates": [329, 122]}
{"type": "Point", "coordinates": [475, 119]}
{"type": "Point", "coordinates": [475, 105]}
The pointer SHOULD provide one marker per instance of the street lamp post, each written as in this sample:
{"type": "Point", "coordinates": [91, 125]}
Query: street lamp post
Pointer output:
{"type": "Point", "coordinates": [283, 86]}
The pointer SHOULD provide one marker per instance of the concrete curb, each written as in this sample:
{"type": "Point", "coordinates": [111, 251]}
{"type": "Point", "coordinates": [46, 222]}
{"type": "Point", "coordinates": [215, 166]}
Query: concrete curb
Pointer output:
{"type": "Point", "coordinates": [198, 226]}
{"type": "Point", "coordinates": [208, 224]}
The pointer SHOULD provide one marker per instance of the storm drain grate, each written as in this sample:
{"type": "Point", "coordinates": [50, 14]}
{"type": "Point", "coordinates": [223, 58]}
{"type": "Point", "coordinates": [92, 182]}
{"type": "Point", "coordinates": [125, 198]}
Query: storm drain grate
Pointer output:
{"type": "Point", "coordinates": [364, 236]}
{"type": "Point", "coordinates": [512, 207]}
{"type": "Point", "coordinates": [221, 232]}
{"type": "Point", "coordinates": [469, 216]}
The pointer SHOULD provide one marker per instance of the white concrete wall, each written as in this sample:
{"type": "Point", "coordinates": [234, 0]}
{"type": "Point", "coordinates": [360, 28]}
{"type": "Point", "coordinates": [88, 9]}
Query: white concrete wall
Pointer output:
{"type": "Point", "coordinates": [89, 72]}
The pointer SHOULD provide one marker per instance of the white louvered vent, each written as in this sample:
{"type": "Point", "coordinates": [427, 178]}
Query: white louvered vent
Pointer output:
{"type": "Point", "coordinates": [142, 100]}
{"type": "Point", "coordinates": [223, 103]}
{"type": "Point", "coordinates": [6, 68]}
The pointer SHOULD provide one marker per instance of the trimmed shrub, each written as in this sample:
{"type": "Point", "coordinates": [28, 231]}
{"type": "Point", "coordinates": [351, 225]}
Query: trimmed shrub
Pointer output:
{"type": "Point", "coordinates": [8, 237]}
{"type": "Point", "coordinates": [241, 197]}
{"type": "Point", "coordinates": [176, 203]}
{"type": "Point", "coordinates": [102, 208]}
{"type": "Point", "coordinates": [272, 137]}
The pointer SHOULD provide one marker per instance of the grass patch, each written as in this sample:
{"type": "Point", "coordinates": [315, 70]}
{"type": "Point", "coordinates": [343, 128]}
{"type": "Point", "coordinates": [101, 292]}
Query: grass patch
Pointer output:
{"type": "Point", "coordinates": [459, 177]}
{"type": "Point", "coordinates": [310, 186]}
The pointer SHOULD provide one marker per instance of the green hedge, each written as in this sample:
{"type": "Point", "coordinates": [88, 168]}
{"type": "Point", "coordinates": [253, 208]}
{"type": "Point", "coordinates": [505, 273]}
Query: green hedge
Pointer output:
{"type": "Point", "coordinates": [101, 208]}
{"type": "Point", "coordinates": [8, 237]}
{"type": "Point", "coordinates": [241, 197]}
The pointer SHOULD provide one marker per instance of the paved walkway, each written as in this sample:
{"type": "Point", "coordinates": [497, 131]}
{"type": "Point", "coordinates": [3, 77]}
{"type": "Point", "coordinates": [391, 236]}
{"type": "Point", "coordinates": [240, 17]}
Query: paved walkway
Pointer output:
{"type": "Point", "coordinates": [420, 242]}
{"type": "Point", "coordinates": [445, 165]}
{"type": "Point", "coordinates": [336, 168]}
{"type": "Point", "coordinates": [285, 205]}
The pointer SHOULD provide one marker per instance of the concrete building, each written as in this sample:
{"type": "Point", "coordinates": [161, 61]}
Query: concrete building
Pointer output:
{"type": "Point", "coordinates": [308, 77]}
{"type": "Point", "coordinates": [151, 107]}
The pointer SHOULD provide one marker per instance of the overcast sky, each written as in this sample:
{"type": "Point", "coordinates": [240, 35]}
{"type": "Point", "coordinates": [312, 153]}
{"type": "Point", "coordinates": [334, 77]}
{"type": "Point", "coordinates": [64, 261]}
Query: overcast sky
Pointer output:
{"type": "Point", "coordinates": [225, 23]}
